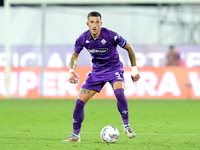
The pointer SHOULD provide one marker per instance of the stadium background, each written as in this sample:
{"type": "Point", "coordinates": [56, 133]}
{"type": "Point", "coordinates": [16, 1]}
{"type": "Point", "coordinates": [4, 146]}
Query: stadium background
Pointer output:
{"type": "Point", "coordinates": [41, 39]}
{"type": "Point", "coordinates": [38, 40]}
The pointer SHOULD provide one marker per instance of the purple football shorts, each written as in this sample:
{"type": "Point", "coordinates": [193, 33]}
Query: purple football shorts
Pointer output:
{"type": "Point", "coordinates": [96, 81]}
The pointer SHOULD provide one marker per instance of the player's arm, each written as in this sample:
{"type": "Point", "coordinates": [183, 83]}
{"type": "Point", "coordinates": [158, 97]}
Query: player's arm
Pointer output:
{"type": "Point", "coordinates": [134, 72]}
{"type": "Point", "coordinates": [73, 77]}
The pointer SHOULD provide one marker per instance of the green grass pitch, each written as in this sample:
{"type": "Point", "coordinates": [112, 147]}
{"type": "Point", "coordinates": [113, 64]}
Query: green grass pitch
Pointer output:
{"type": "Point", "coordinates": [43, 124]}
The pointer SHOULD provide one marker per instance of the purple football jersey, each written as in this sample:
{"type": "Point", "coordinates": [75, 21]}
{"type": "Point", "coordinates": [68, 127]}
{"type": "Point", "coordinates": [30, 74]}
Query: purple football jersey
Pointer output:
{"type": "Point", "coordinates": [103, 50]}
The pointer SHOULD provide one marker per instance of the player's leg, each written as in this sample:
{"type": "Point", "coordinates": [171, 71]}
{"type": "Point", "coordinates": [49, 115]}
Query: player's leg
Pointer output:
{"type": "Point", "coordinates": [122, 105]}
{"type": "Point", "coordinates": [78, 114]}
{"type": "Point", "coordinates": [117, 82]}
{"type": "Point", "coordinates": [92, 82]}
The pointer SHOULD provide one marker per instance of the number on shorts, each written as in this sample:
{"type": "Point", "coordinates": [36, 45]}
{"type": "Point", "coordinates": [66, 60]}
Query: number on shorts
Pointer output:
{"type": "Point", "coordinates": [118, 75]}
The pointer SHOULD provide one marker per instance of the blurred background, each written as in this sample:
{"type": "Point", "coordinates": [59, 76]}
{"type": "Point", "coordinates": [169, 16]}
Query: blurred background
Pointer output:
{"type": "Point", "coordinates": [37, 39]}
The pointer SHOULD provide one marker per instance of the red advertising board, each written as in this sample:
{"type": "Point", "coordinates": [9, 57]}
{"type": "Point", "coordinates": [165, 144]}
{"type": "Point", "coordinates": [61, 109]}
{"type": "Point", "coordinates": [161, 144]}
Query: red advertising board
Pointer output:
{"type": "Point", "coordinates": [155, 83]}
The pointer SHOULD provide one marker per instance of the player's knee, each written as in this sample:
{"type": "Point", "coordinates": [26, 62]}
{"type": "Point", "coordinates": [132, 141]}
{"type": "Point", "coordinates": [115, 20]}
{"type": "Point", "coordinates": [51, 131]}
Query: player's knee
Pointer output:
{"type": "Point", "coordinates": [119, 93]}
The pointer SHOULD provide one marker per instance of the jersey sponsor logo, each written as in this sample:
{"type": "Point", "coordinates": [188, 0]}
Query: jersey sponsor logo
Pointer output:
{"type": "Point", "coordinates": [103, 41]}
{"type": "Point", "coordinates": [98, 50]}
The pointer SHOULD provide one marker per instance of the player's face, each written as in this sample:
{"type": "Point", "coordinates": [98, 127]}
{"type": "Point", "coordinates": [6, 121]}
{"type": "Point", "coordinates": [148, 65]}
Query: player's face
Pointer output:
{"type": "Point", "coordinates": [94, 24]}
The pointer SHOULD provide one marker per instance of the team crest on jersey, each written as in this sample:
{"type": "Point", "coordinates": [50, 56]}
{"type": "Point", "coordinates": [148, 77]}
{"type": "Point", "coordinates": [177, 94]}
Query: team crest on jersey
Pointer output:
{"type": "Point", "coordinates": [103, 41]}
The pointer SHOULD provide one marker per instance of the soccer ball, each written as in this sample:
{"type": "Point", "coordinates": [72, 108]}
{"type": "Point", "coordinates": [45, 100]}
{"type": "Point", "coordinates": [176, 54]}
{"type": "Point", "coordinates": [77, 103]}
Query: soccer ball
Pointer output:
{"type": "Point", "coordinates": [109, 134]}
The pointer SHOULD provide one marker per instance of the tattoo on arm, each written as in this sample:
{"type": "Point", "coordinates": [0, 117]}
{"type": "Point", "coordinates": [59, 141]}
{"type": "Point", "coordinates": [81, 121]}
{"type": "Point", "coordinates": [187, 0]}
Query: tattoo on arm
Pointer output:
{"type": "Point", "coordinates": [73, 61]}
{"type": "Point", "coordinates": [72, 64]}
{"type": "Point", "coordinates": [131, 54]}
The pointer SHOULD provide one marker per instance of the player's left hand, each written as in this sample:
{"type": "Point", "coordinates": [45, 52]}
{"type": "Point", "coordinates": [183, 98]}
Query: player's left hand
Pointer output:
{"type": "Point", "coordinates": [135, 77]}
{"type": "Point", "coordinates": [73, 77]}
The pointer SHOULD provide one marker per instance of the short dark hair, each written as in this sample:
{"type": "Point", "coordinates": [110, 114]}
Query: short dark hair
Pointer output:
{"type": "Point", "coordinates": [94, 14]}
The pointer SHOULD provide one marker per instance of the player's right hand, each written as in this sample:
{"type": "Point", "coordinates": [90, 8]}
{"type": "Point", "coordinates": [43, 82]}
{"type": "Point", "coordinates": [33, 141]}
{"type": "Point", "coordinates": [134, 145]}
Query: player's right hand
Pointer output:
{"type": "Point", "coordinates": [135, 77]}
{"type": "Point", "coordinates": [73, 77]}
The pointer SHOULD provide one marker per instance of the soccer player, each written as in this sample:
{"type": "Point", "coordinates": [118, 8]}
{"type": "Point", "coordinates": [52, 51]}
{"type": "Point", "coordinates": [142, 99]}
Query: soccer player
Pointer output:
{"type": "Point", "coordinates": [101, 43]}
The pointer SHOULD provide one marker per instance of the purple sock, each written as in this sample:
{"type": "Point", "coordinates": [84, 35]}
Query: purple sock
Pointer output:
{"type": "Point", "coordinates": [78, 116]}
{"type": "Point", "coordinates": [122, 105]}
